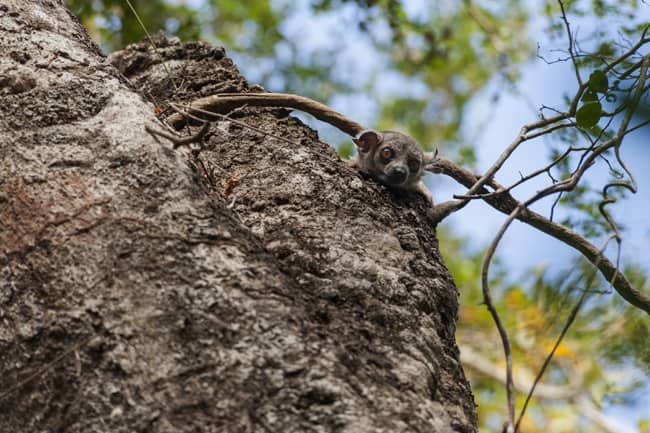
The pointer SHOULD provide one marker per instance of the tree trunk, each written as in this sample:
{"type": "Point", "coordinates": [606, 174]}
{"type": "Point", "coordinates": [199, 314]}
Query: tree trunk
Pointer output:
{"type": "Point", "coordinates": [258, 286]}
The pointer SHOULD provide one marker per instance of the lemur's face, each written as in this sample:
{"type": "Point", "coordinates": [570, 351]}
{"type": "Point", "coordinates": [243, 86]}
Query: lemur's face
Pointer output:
{"type": "Point", "coordinates": [392, 158]}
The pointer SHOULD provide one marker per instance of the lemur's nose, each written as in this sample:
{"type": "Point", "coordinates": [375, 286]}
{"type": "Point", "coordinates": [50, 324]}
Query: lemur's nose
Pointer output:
{"type": "Point", "coordinates": [397, 175]}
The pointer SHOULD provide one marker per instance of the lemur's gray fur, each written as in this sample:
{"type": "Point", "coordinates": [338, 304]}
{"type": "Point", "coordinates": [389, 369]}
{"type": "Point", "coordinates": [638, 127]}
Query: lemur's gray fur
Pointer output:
{"type": "Point", "coordinates": [394, 159]}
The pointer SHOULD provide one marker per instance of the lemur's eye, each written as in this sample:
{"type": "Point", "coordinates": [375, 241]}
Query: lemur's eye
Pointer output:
{"type": "Point", "coordinates": [387, 154]}
{"type": "Point", "coordinates": [414, 165]}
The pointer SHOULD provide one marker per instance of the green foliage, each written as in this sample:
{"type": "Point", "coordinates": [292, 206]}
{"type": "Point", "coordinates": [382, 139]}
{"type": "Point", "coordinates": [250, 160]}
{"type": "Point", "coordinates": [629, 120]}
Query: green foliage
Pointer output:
{"type": "Point", "coordinates": [345, 150]}
{"type": "Point", "coordinates": [598, 82]}
{"type": "Point", "coordinates": [589, 114]}
{"type": "Point", "coordinates": [114, 26]}
{"type": "Point", "coordinates": [453, 62]}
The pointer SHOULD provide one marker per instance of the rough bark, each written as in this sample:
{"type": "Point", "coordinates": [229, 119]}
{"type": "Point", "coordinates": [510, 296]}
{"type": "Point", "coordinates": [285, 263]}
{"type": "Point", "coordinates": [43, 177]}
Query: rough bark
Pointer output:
{"type": "Point", "coordinates": [134, 297]}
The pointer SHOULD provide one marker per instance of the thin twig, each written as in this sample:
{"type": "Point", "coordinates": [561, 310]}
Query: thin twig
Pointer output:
{"type": "Point", "coordinates": [633, 49]}
{"type": "Point", "coordinates": [548, 130]}
{"type": "Point", "coordinates": [153, 44]}
{"type": "Point", "coordinates": [628, 117]}
{"type": "Point", "coordinates": [487, 300]}
{"type": "Point", "coordinates": [523, 179]}
{"type": "Point", "coordinates": [185, 111]}
{"type": "Point", "coordinates": [181, 141]}
{"type": "Point", "coordinates": [640, 125]}
{"type": "Point", "coordinates": [39, 372]}
{"type": "Point", "coordinates": [502, 331]}
{"type": "Point", "coordinates": [571, 43]}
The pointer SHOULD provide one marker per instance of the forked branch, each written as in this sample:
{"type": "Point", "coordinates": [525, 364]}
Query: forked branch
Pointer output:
{"type": "Point", "coordinates": [506, 204]}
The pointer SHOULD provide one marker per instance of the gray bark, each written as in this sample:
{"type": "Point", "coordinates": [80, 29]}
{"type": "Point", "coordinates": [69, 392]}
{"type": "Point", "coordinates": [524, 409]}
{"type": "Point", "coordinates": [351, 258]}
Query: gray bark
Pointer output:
{"type": "Point", "coordinates": [133, 298]}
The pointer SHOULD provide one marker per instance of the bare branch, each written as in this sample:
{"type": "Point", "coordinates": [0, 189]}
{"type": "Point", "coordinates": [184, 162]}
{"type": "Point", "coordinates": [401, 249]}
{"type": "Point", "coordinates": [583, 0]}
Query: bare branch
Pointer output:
{"type": "Point", "coordinates": [616, 143]}
{"type": "Point", "coordinates": [225, 102]}
{"type": "Point", "coordinates": [441, 211]}
{"type": "Point", "coordinates": [628, 116]}
{"type": "Point", "coordinates": [181, 141]}
{"type": "Point", "coordinates": [523, 179]}
{"type": "Point", "coordinates": [503, 334]}
{"type": "Point", "coordinates": [633, 49]}
{"type": "Point", "coordinates": [524, 136]}
{"type": "Point", "coordinates": [505, 155]}
{"type": "Point", "coordinates": [571, 43]}
{"type": "Point", "coordinates": [640, 125]}
{"type": "Point", "coordinates": [548, 130]}
{"type": "Point", "coordinates": [194, 113]}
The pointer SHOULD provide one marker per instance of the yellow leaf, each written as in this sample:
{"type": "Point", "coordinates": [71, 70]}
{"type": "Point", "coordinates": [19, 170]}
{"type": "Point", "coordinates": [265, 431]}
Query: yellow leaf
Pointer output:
{"type": "Point", "coordinates": [533, 319]}
{"type": "Point", "coordinates": [562, 351]}
{"type": "Point", "coordinates": [514, 298]}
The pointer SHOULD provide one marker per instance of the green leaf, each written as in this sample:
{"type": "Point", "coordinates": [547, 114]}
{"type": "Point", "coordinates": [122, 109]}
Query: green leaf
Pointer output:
{"type": "Point", "coordinates": [598, 81]}
{"type": "Point", "coordinates": [345, 150]}
{"type": "Point", "coordinates": [467, 156]}
{"type": "Point", "coordinates": [589, 114]}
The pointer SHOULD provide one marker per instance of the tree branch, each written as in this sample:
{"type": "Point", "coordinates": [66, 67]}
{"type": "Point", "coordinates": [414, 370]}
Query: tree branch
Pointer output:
{"type": "Point", "coordinates": [506, 204]}
{"type": "Point", "coordinates": [226, 102]}
{"type": "Point", "coordinates": [571, 43]}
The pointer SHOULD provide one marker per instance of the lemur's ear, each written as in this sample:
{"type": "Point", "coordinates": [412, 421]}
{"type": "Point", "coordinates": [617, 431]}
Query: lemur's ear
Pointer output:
{"type": "Point", "coordinates": [430, 159]}
{"type": "Point", "coordinates": [367, 140]}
